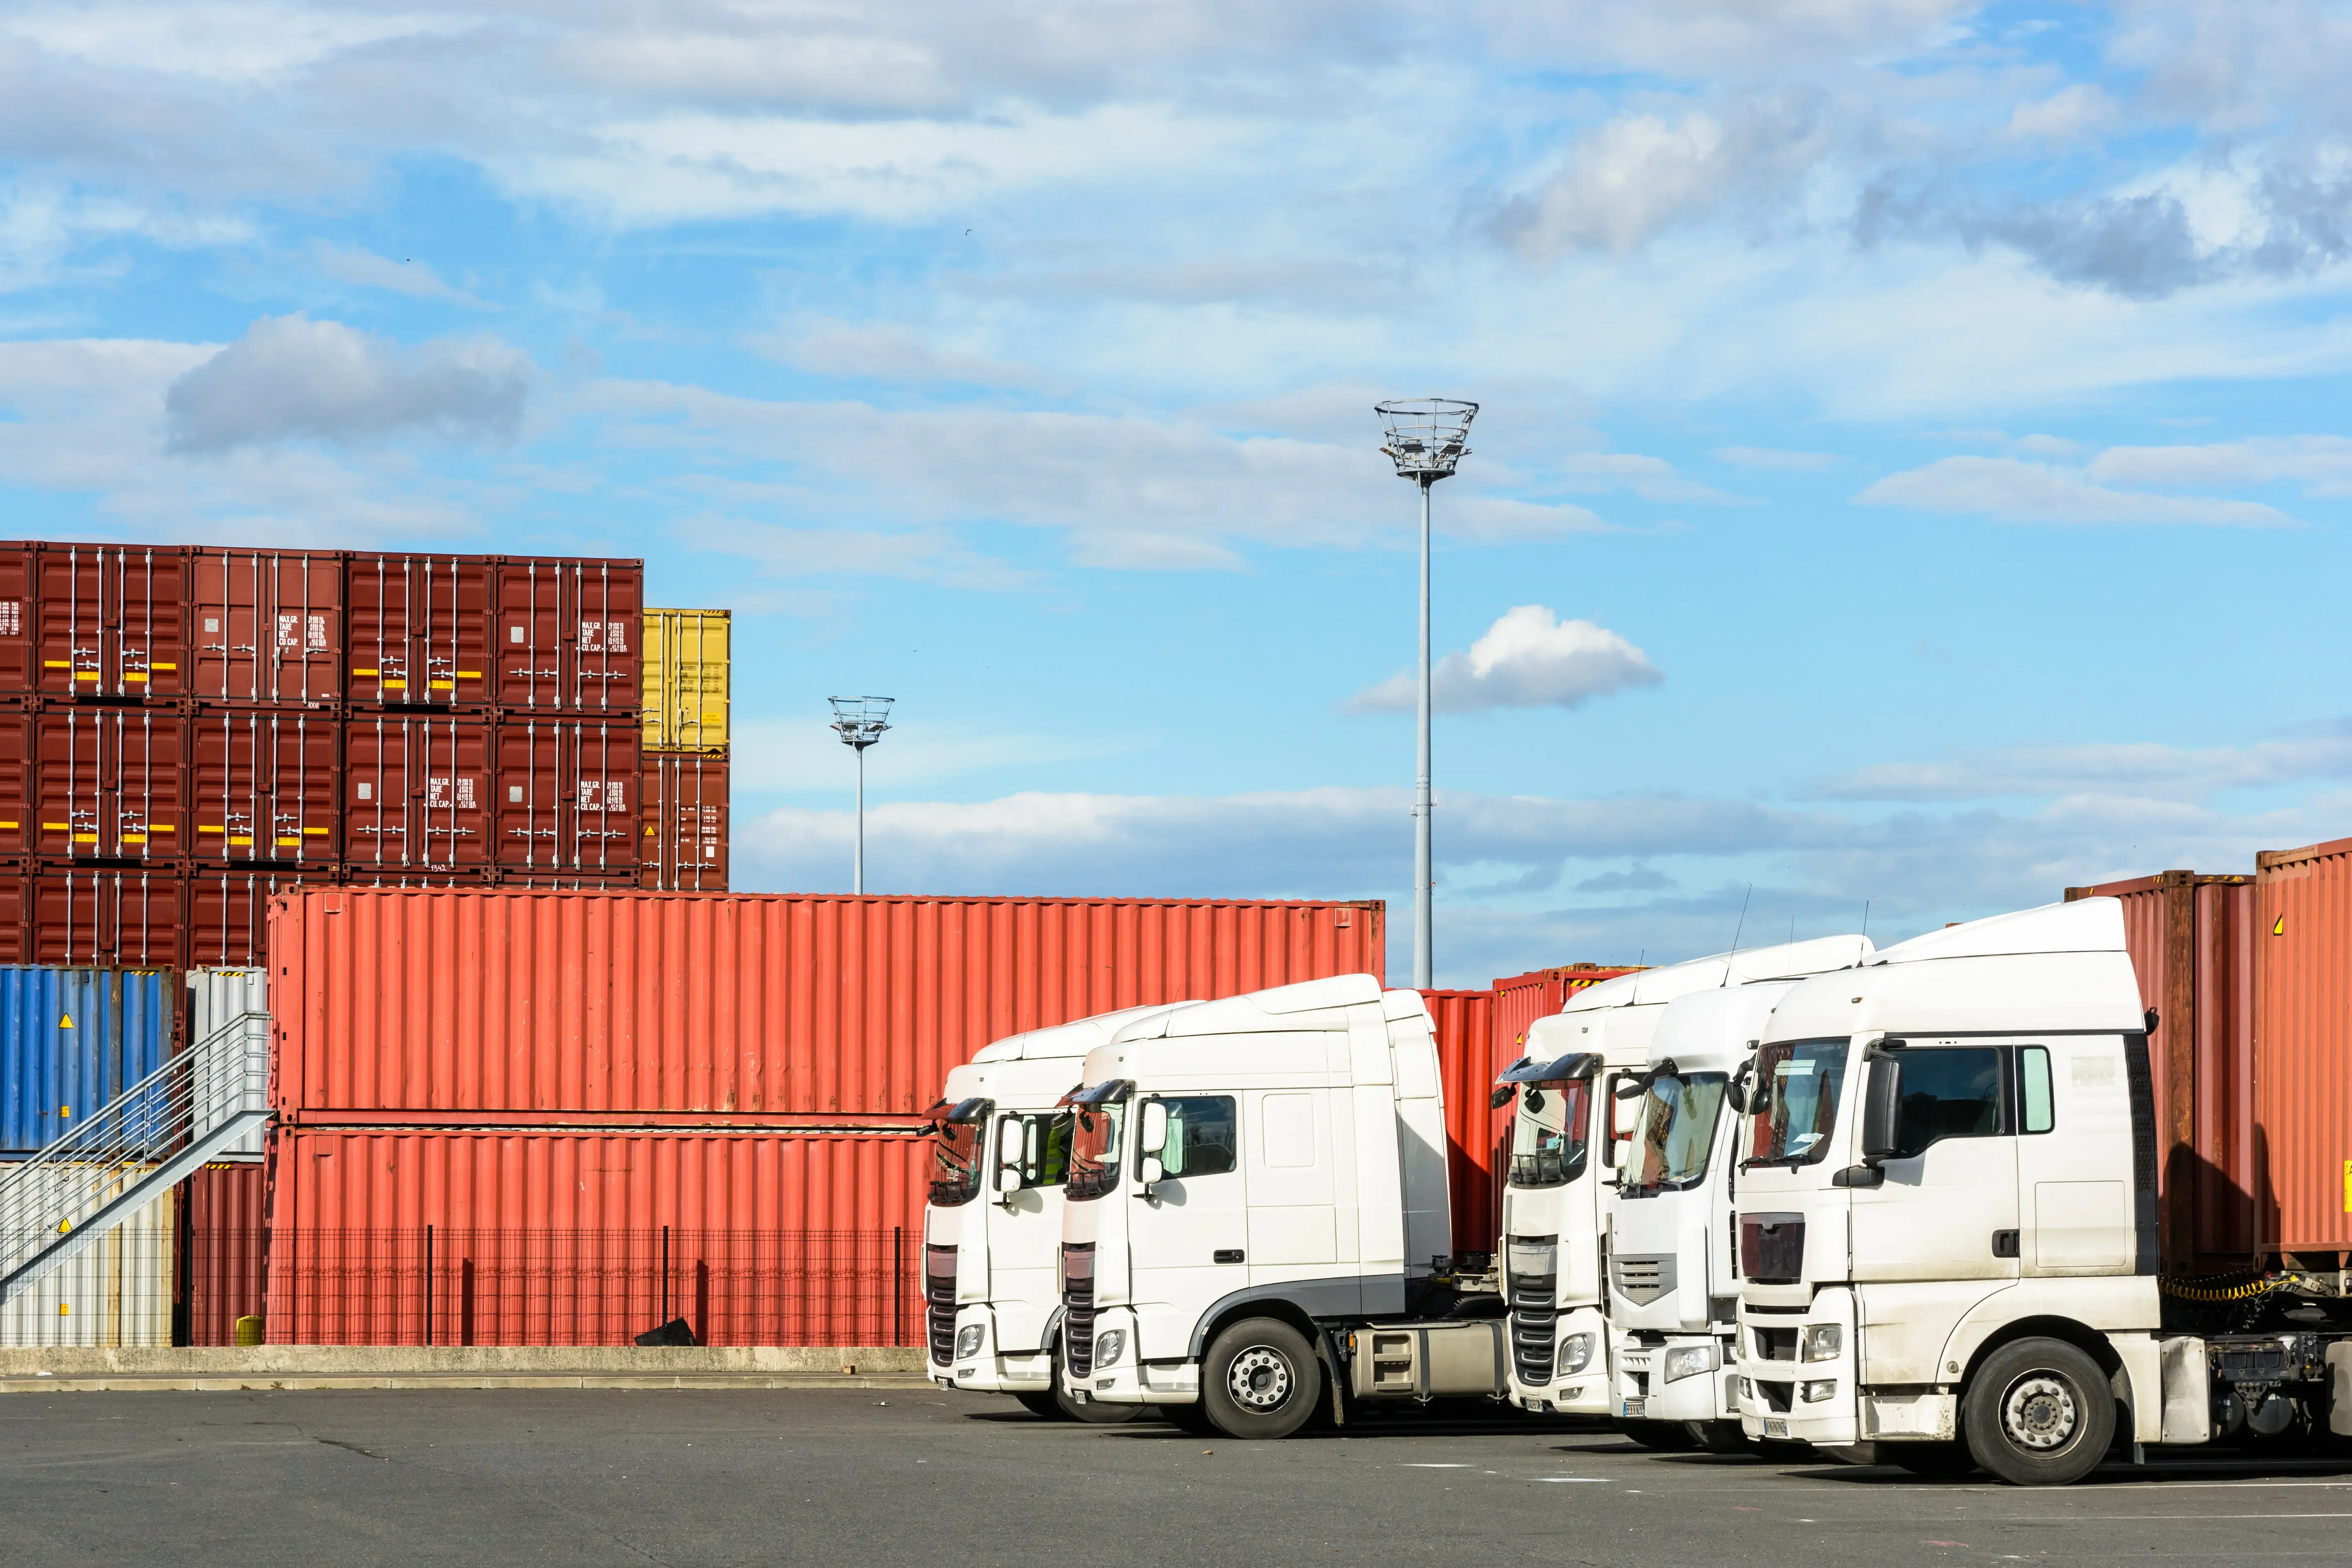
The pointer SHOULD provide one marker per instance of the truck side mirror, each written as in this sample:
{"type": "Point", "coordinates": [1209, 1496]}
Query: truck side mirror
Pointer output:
{"type": "Point", "coordinates": [1008, 1180]}
{"type": "Point", "coordinates": [1008, 1142]}
{"type": "Point", "coordinates": [1153, 1172]}
{"type": "Point", "coordinates": [1501, 1097]}
{"type": "Point", "coordinates": [1154, 1136]}
{"type": "Point", "coordinates": [1882, 1107]}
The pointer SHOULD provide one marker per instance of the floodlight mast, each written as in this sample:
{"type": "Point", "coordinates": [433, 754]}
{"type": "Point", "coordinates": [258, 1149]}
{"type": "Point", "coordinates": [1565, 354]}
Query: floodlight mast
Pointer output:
{"type": "Point", "coordinates": [1426, 437]}
{"type": "Point", "coordinates": [859, 721]}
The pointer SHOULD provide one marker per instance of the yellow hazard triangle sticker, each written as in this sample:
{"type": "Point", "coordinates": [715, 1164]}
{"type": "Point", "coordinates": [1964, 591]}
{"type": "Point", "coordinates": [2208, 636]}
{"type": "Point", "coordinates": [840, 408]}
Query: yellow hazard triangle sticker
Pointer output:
{"type": "Point", "coordinates": [2279, 928]}
{"type": "Point", "coordinates": [66, 1022]}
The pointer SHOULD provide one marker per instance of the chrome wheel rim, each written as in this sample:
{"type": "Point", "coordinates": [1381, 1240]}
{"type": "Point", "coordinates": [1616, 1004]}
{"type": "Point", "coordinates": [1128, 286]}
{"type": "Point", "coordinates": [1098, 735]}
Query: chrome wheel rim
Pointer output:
{"type": "Point", "coordinates": [1259, 1379]}
{"type": "Point", "coordinates": [2038, 1413]}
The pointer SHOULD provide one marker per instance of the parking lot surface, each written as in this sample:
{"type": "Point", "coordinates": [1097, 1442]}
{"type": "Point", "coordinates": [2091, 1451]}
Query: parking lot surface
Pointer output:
{"type": "Point", "coordinates": [890, 1477]}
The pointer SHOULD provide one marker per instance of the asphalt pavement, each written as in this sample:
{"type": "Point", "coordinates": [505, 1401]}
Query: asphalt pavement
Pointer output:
{"type": "Point", "coordinates": [867, 1477]}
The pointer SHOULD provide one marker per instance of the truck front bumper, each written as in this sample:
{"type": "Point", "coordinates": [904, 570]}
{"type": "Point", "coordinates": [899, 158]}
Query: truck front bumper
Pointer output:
{"type": "Point", "coordinates": [1580, 1384]}
{"type": "Point", "coordinates": [1645, 1393]}
{"type": "Point", "coordinates": [1782, 1395]}
{"type": "Point", "coordinates": [1123, 1380]}
{"type": "Point", "coordinates": [982, 1367]}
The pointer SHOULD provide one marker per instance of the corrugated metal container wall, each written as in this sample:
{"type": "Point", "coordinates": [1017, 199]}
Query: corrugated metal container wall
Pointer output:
{"type": "Point", "coordinates": [116, 1292]}
{"type": "Point", "coordinates": [416, 793]}
{"type": "Point", "coordinates": [500, 1002]}
{"type": "Point", "coordinates": [19, 665]}
{"type": "Point", "coordinates": [2303, 1045]}
{"type": "Point", "coordinates": [555, 1237]}
{"type": "Point", "coordinates": [686, 674]}
{"type": "Point", "coordinates": [217, 997]}
{"type": "Point", "coordinates": [224, 1251]}
{"type": "Point", "coordinates": [263, 786]}
{"type": "Point", "coordinates": [266, 625]}
{"type": "Point", "coordinates": [564, 791]}
{"type": "Point", "coordinates": [1521, 999]}
{"type": "Point", "coordinates": [16, 923]}
{"type": "Point", "coordinates": [103, 916]}
{"type": "Point", "coordinates": [419, 630]}
{"type": "Point", "coordinates": [111, 784]}
{"type": "Point", "coordinates": [1465, 1033]}
{"type": "Point", "coordinates": [70, 1040]}
{"type": "Point", "coordinates": [113, 621]}
{"type": "Point", "coordinates": [2191, 944]}
{"type": "Point", "coordinates": [684, 799]}
{"type": "Point", "coordinates": [19, 819]}
{"type": "Point", "coordinates": [567, 635]}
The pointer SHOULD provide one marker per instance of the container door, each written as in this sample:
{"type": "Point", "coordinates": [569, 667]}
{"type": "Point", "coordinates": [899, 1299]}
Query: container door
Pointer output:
{"type": "Point", "coordinates": [1191, 1246]}
{"type": "Point", "coordinates": [568, 634]}
{"type": "Point", "coordinates": [108, 784]}
{"type": "Point", "coordinates": [264, 787]}
{"type": "Point", "coordinates": [19, 786]}
{"type": "Point", "coordinates": [565, 791]}
{"type": "Point", "coordinates": [683, 845]}
{"type": "Point", "coordinates": [686, 688]}
{"type": "Point", "coordinates": [20, 666]}
{"type": "Point", "coordinates": [103, 916]}
{"type": "Point", "coordinates": [303, 790]}
{"type": "Point", "coordinates": [419, 630]}
{"type": "Point", "coordinates": [267, 625]}
{"type": "Point", "coordinates": [228, 914]}
{"type": "Point", "coordinates": [416, 794]}
{"type": "Point", "coordinates": [1948, 1209]}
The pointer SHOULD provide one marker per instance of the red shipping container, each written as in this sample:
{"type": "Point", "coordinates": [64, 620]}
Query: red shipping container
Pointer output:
{"type": "Point", "coordinates": [15, 915]}
{"type": "Point", "coordinates": [266, 625]}
{"type": "Point", "coordinates": [19, 670]}
{"type": "Point", "coordinates": [111, 782]}
{"type": "Point", "coordinates": [566, 793]}
{"type": "Point", "coordinates": [112, 620]}
{"type": "Point", "coordinates": [19, 819]}
{"type": "Point", "coordinates": [103, 916]}
{"type": "Point", "coordinates": [224, 911]}
{"type": "Point", "coordinates": [263, 787]}
{"type": "Point", "coordinates": [488, 1005]}
{"type": "Point", "coordinates": [2303, 1047]}
{"type": "Point", "coordinates": [1465, 1033]}
{"type": "Point", "coordinates": [684, 842]}
{"type": "Point", "coordinates": [419, 630]}
{"type": "Point", "coordinates": [416, 794]}
{"type": "Point", "coordinates": [2191, 941]}
{"type": "Point", "coordinates": [224, 1252]}
{"type": "Point", "coordinates": [1521, 999]}
{"type": "Point", "coordinates": [571, 881]}
{"type": "Point", "coordinates": [569, 634]}
{"type": "Point", "coordinates": [568, 1236]}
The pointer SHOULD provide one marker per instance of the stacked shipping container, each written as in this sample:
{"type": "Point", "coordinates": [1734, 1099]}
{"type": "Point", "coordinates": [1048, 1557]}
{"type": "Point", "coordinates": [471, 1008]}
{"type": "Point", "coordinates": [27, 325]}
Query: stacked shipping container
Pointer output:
{"type": "Point", "coordinates": [186, 731]}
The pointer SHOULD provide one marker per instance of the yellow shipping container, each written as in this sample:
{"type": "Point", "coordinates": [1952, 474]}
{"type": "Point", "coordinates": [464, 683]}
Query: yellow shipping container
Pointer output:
{"type": "Point", "coordinates": [686, 680]}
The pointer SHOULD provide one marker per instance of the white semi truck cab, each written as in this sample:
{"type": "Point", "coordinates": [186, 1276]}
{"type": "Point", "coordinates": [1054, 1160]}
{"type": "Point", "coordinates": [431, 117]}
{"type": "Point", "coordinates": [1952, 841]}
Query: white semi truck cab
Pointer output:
{"type": "Point", "coordinates": [1947, 1208]}
{"type": "Point", "coordinates": [1258, 1229]}
{"type": "Point", "coordinates": [1668, 1236]}
{"type": "Point", "coordinates": [993, 1225]}
{"type": "Point", "coordinates": [1567, 1133]}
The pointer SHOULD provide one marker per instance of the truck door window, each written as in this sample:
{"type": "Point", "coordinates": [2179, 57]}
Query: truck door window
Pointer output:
{"type": "Point", "coordinates": [2034, 1083]}
{"type": "Point", "coordinates": [1949, 1092]}
{"type": "Point", "coordinates": [1201, 1136]}
{"type": "Point", "coordinates": [1045, 1149]}
{"type": "Point", "coordinates": [1794, 1105]}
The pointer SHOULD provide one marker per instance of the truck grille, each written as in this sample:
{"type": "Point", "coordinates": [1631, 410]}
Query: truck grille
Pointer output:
{"type": "Point", "coordinates": [1772, 1247]}
{"type": "Point", "coordinates": [940, 1301]}
{"type": "Point", "coordinates": [1642, 1280]}
{"type": "Point", "coordinates": [1532, 1284]}
{"type": "Point", "coordinates": [1078, 1308]}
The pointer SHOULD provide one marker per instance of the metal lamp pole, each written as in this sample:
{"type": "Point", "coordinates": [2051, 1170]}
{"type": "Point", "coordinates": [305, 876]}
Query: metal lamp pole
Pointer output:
{"type": "Point", "coordinates": [859, 721]}
{"type": "Point", "coordinates": [1426, 439]}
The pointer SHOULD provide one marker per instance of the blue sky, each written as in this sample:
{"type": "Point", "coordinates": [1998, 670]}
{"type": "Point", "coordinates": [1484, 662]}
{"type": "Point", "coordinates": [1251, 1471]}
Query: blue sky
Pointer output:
{"type": "Point", "coordinates": [1912, 471]}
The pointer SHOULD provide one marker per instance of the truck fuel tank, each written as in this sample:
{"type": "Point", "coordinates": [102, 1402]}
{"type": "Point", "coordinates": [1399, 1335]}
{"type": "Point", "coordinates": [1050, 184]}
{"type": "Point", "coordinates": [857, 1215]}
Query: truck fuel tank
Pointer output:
{"type": "Point", "coordinates": [1429, 1361]}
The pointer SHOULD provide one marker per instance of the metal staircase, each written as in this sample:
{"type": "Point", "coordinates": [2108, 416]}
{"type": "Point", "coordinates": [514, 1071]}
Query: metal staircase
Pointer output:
{"type": "Point", "coordinates": [147, 1139]}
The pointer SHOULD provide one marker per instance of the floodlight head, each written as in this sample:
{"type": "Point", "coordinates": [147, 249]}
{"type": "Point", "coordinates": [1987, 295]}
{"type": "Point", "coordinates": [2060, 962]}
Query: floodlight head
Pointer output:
{"type": "Point", "coordinates": [1425, 436]}
{"type": "Point", "coordinates": [860, 721]}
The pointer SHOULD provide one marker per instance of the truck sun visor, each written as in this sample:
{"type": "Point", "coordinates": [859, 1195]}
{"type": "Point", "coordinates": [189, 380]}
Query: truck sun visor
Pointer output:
{"type": "Point", "coordinates": [1102, 1093]}
{"type": "Point", "coordinates": [1575, 1065]}
{"type": "Point", "coordinates": [967, 1110]}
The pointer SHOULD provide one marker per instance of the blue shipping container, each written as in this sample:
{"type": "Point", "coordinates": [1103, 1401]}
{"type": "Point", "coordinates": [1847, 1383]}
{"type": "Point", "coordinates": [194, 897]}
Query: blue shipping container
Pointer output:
{"type": "Point", "coordinates": [70, 1040]}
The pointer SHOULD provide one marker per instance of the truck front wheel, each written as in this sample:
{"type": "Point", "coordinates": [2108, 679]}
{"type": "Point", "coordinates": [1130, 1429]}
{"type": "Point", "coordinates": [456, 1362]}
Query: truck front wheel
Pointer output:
{"type": "Point", "coordinates": [2039, 1413]}
{"type": "Point", "coordinates": [1260, 1379]}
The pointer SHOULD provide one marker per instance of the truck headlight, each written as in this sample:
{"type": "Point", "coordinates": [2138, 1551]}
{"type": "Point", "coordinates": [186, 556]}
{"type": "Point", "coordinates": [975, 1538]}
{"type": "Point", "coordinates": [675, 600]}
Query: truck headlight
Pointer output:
{"type": "Point", "coordinates": [1816, 1392]}
{"type": "Point", "coordinates": [1575, 1354]}
{"type": "Point", "coordinates": [1108, 1346]}
{"type": "Point", "coordinates": [1688, 1360]}
{"type": "Point", "coordinates": [968, 1339]}
{"type": "Point", "coordinates": [1823, 1340]}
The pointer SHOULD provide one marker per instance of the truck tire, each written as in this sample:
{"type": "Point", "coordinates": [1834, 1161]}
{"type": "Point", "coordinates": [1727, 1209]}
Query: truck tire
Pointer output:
{"type": "Point", "coordinates": [1260, 1379]}
{"type": "Point", "coordinates": [1933, 1461]}
{"type": "Point", "coordinates": [1042, 1403]}
{"type": "Point", "coordinates": [1192, 1418]}
{"type": "Point", "coordinates": [1719, 1436]}
{"type": "Point", "coordinates": [1666, 1437]}
{"type": "Point", "coordinates": [2039, 1413]}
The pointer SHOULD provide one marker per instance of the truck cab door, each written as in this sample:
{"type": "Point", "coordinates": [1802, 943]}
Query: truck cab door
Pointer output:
{"type": "Point", "coordinates": [1947, 1209]}
{"type": "Point", "coordinates": [2074, 1152]}
{"type": "Point", "coordinates": [1189, 1232]}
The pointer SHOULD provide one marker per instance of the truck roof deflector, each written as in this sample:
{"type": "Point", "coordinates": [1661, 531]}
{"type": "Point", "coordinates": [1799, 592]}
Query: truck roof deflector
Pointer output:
{"type": "Point", "coordinates": [1574, 1065]}
{"type": "Point", "coordinates": [966, 1110]}
{"type": "Point", "coordinates": [1101, 1093]}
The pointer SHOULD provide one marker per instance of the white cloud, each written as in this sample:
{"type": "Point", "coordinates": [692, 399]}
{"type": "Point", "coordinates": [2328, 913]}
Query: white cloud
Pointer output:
{"type": "Point", "coordinates": [290, 377]}
{"type": "Point", "coordinates": [1527, 658]}
{"type": "Point", "coordinates": [1774, 459]}
{"type": "Point", "coordinates": [882, 351]}
{"type": "Point", "coordinates": [2014, 491]}
{"type": "Point", "coordinates": [2145, 770]}
{"type": "Point", "coordinates": [1652, 478]}
{"type": "Point", "coordinates": [2322, 465]}
{"type": "Point", "coordinates": [2069, 114]}
{"type": "Point", "coordinates": [366, 269]}
{"type": "Point", "coordinates": [917, 554]}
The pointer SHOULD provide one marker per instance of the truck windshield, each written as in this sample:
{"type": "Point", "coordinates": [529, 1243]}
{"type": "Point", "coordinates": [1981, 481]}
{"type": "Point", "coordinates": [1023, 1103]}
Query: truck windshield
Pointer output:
{"type": "Point", "coordinates": [955, 1162]}
{"type": "Point", "coordinates": [1676, 1132]}
{"type": "Point", "coordinates": [1093, 1151]}
{"type": "Point", "coordinates": [1795, 1103]}
{"type": "Point", "coordinates": [1548, 1133]}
